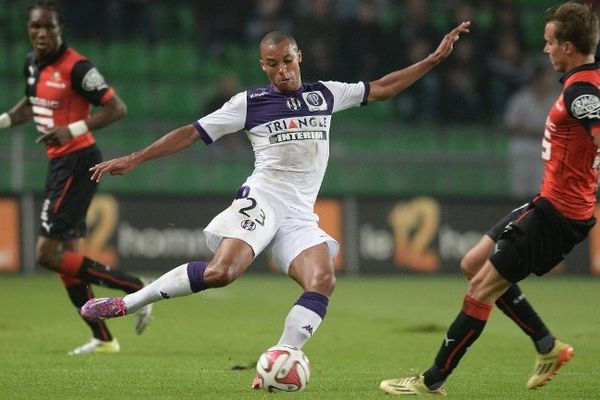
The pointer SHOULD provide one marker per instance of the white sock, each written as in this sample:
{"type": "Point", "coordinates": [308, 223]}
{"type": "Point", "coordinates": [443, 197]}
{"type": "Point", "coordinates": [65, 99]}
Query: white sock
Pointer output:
{"type": "Point", "coordinates": [300, 324]}
{"type": "Point", "coordinates": [174, 283]}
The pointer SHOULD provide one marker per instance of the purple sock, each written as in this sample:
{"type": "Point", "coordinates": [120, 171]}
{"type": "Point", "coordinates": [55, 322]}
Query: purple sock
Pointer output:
{"type": "Point", "coordinates": [195, 271]}
{"type": "Point", "coordinates": [315, 302]}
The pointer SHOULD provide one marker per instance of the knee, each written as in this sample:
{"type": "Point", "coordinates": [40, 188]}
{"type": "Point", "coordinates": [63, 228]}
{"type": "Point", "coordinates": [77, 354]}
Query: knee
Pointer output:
{"type": "Point", "coordinates": [46, 258]}
{"type": "Point", "coordinates": [468, 266]}
{"type": "Point", "coordinates": [323, 282]}
{"type": "Point", "coordinates": [474, 287]}
{"type": "Point", "coordinates": [482, 287]}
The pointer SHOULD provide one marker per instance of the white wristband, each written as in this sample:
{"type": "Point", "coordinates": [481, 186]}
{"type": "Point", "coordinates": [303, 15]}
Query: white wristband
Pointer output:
{"type": "Point", "coordinates": [5, 121]}
{"type": "Point", "coordinates": [78, 128]}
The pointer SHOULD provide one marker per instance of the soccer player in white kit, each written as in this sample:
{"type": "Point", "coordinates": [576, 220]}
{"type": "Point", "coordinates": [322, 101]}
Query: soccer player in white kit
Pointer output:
{"type": "Point", "coordinates": [288, 124]}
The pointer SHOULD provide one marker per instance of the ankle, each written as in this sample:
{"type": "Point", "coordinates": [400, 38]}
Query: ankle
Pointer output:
{"type": "Point", "coordinates": [434, 378]}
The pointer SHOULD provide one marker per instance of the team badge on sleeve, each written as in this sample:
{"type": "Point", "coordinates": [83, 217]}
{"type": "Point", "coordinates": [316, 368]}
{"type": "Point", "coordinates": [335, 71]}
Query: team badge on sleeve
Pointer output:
{"type": "Point", "coordinates": [93, 80]}
{"type": "Point", "coordinates": [586, 106]}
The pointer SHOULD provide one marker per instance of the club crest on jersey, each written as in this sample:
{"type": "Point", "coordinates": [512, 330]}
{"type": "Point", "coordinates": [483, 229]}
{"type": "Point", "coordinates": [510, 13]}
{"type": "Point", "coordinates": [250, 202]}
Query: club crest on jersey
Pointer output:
{"type": "Point", "coordinates": [248, 225]}
{"type": "Point", "coordinates": [586, 106]}
{"type": "Point", "coordinates": [315, 101]}
{"type": "Point", "coordinates": [294, 103]}
{"type": "Point", "coordinates": [56, 81]}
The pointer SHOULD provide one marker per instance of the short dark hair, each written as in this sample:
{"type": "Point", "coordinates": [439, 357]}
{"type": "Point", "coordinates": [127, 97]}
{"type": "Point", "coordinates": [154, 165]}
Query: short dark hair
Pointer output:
{"type": "Point", "coordinates": [575, 23]}
{"type": "Point", "coordinates": [48, 5]}
{"type": "Point", "coordinates": [275, 37]}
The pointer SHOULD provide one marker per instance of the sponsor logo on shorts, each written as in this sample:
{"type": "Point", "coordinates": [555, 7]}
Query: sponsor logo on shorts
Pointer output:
{"type": "Point", "coordinates": [47, 226]}
{"type": "Point", "coordinates": [248, 225]}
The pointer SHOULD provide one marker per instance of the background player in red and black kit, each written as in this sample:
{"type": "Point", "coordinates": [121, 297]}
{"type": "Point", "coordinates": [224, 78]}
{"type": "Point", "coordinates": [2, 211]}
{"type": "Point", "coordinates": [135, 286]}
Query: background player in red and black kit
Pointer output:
{"type": "Point", "coordinates": [536, 237]}
{"type": "Point", "coordinates": [61, 87]}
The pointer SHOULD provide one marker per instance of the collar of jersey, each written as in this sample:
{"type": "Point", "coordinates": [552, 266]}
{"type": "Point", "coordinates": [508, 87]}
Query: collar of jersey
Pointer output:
{"type": "Point", "coordinates": [584, 67]}
{"type": "Point", "coordinates": [52, 59]}
{"type": "Point", "coordinates": [273, 90]}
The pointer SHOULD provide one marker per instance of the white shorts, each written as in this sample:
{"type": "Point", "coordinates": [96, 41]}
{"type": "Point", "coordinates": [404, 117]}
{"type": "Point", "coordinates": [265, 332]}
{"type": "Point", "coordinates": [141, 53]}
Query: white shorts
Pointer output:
{"type": "Point", "coordinates": [260, 219]}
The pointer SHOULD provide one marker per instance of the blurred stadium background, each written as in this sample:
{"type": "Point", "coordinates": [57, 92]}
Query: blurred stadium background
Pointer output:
{"type": "Point", "coordinates": [411, 183]}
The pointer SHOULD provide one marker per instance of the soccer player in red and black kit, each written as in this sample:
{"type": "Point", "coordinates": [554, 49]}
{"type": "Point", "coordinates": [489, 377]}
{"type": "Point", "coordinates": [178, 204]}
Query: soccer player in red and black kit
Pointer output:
{"type": "Point", "coordinates": [61, 87]}
{"type": "Point", "coordinates": [536, 237]}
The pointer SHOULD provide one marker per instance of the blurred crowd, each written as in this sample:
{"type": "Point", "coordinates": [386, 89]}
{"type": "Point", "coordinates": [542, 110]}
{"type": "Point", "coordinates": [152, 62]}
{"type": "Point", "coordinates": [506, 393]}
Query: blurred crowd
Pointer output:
{"type": "Point", "coordinates": [350, 40]}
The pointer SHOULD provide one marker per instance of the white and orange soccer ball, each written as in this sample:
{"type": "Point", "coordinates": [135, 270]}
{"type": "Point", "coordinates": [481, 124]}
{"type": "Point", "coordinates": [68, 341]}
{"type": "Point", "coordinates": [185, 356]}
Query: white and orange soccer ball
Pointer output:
{"type": "Point", "coordinates": [283, 368]}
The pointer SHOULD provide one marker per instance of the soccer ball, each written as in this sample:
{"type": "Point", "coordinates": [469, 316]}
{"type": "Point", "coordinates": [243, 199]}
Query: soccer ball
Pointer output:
{"type": "Point", "coordinates": [283, 368]}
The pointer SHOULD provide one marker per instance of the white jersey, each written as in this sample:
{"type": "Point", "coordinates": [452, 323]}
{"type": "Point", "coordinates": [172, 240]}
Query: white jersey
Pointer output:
{"type": "Point", "coordinates": [289, 133]}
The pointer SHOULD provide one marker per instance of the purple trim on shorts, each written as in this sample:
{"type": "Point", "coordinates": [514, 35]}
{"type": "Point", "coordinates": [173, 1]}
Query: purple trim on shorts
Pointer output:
{"type": "Point", "coordinates": [315, 302]}
{"type": "Point", "coordinates": [195, 271]}
{"type": "Point", "coordinates": [203, 134]}
{"type": "Point", "coordinates": [242, 192]}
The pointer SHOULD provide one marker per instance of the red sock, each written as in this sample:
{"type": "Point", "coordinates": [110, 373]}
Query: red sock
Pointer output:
{"type": "Point", "coordinates": [463, 332]}
{"type": "Point", "coordinates": [71, 264]}
{"type": "Point", "coordinates": [476, 309]}
{"type": "Point", "coordinates": [75, 265]}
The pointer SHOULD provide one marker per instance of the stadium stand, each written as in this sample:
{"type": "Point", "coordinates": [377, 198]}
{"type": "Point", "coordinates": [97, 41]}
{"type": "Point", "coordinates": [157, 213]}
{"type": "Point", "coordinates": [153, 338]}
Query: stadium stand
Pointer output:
{"type": "Point", "coordinates": [167, 76]}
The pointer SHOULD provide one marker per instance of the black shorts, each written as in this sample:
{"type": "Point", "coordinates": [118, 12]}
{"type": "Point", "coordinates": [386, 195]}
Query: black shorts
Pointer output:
{"type": "Point", "coordinates": [500, 226]}
{"type": "Point", "coordinates": [535, 239]}
{"type": "Point", "coordinates": [69, 192]}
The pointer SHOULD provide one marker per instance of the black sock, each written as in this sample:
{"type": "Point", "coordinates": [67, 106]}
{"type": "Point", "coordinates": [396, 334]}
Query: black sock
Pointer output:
{"type": "Point", "coordinates": [463, 332]}
{"type": "Point", "coordinates": [514, 304]}
{"type": "Point", "coordinates": [99, 274]}
{"type": "Point", "coordinates": [79, 295]}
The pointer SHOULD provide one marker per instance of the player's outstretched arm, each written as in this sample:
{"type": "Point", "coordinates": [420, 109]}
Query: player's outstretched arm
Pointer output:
{"type": "Point", "coordinates": [170, 143]}
{"type": "Point", "coordinates": [395, 82]}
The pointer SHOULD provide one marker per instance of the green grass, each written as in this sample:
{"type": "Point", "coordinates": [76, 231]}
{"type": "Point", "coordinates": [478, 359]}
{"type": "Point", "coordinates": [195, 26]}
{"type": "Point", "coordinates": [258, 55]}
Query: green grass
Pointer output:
{"type": "Point", "coordinates": [376, 328]}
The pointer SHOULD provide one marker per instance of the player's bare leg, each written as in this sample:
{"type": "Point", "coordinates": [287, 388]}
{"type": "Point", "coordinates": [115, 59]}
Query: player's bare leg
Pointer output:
{"type": "Point", "coordinates": [313, 270]}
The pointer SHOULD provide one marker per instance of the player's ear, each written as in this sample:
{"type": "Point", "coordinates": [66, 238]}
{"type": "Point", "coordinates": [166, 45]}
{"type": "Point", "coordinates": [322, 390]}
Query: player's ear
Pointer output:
{"type": "Point", "coordinates": [568, 47]}
{"type": "Point", "coordinates": [299, 56]}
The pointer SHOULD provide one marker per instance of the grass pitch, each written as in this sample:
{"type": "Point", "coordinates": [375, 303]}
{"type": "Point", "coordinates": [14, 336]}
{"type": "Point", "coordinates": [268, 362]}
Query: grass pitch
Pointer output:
{"type": "Point", "coordinates": [204, 346]}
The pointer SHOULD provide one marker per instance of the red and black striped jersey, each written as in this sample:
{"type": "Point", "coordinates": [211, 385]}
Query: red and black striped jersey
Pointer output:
{"type": "Point", "coordinates": [572, 160]}
{"type": "Point", "coordinates": [62, 90]}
